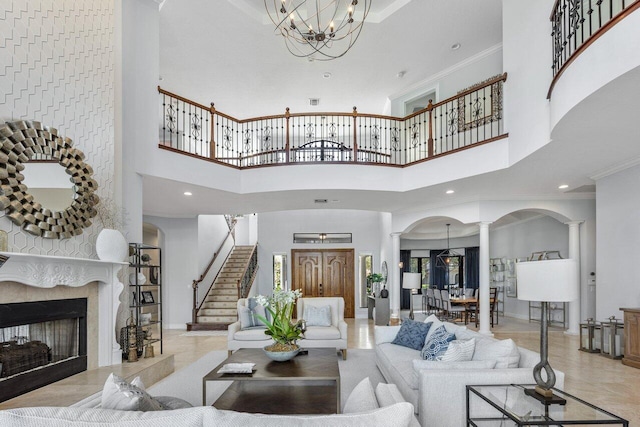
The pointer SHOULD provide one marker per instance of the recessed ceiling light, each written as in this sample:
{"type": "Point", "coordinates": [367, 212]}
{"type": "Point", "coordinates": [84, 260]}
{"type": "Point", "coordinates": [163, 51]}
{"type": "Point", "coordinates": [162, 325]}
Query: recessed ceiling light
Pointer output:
{"type": "Point", "coordinates": [401, 74]}
{"type": "Point", "coordinates": [326, 75]}
{"type": "Point", "coordinates": [450, 191]}
{"type": "Point", "coordinates": [456, 46]}
{"type": "Point", "coordinates": [563, 186]}
{"type": "Point", "coordinates": [188, 193]}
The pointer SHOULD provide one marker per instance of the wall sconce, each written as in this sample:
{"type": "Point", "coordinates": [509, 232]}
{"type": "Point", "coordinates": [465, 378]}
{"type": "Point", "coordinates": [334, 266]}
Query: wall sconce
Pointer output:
{"type": "Point", "coordinates": [401, 265]}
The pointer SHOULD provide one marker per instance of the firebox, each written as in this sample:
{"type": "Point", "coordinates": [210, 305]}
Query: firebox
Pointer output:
{"type": "Point", "coordinates": [40, 343]}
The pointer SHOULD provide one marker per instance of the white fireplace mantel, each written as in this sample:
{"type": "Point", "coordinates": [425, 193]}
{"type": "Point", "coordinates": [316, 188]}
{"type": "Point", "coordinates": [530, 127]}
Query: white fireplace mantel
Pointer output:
{"type": "Point", "coordinates": [44, 271]}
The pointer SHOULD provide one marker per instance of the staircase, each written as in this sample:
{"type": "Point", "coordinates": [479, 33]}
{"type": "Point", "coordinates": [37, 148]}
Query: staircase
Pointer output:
{"type": "Point", "coordinates": [218, 309]}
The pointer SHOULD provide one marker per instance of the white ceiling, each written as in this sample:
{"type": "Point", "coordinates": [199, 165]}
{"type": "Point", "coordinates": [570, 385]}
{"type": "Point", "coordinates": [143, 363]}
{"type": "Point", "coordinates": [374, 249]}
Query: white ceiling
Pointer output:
{"type": "Point", "coordinates": [214, 51]}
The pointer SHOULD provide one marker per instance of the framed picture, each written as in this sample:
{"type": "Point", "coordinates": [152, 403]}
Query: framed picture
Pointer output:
{"type": "Point", "coordinates": [147, 297]}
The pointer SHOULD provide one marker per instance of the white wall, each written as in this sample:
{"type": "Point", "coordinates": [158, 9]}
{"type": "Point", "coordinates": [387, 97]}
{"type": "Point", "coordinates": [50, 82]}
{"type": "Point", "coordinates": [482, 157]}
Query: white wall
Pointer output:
{"type": "Point", "coordinates": [519, 241]}
{"type": "Point", "coordinates": [451, 81]}
{"type": "Point", "coordinates": [275, 235]}
{"type": "Point", "coordinates": [179, 268]}
{"type": "Point", "coordinates": [618, 242]}
{"type": "Point", "coordinates": [527, 58]}
{"type": "Point", "coordinates": [58, 68]}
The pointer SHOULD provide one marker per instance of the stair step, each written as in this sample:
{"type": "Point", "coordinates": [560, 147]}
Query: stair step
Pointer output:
{"type": "Point", "coordinates": [231, 292]}
{"type": "Point", "coordinates": [217, 319]}
{"type": "Point", "coordinates": [218, 312]}
{"type": "Point", "coordinates": [225, 285]}
{"type": "Point", "coordinates": [219, 304]}
{"type": "Point", "coordinates": [221, 298]}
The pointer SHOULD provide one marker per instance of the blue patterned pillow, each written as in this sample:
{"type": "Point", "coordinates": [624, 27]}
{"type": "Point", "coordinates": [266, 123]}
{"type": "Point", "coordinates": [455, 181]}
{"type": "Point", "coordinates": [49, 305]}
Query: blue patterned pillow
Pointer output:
{"type": "Point", "coordinates": [437, 344]}
{"type": "Point", "coordinates": [412, 334]}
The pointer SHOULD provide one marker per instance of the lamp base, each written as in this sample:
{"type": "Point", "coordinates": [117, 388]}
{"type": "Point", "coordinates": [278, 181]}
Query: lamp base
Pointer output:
{"type": "Point", "coordinates": [545, 396]}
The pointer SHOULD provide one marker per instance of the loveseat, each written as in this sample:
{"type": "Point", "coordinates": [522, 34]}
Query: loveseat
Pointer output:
{"type": "Point", "coordinates": [437, 389]}
{"type": "Point", "coordinates": [365, 407]}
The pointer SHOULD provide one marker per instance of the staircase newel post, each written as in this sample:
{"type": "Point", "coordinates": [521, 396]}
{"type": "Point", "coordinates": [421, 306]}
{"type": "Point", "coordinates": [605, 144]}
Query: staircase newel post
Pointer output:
{"type": "Point", "coordinates": [430, 140]}
{"type": "Point", "coordinates": [239, 290]}
{"type": "Point", "coordinates": [194, 311]}
{"type": "Point", "coordinates": [355, 134]}
{"type": "Point", "coordinates": [287, 146]}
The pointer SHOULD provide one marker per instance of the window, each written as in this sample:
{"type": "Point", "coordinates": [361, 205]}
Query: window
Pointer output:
{"type": "Point", "coordinates": [422, 265]}
{"type": "Point", "coordinates": [280, 272]}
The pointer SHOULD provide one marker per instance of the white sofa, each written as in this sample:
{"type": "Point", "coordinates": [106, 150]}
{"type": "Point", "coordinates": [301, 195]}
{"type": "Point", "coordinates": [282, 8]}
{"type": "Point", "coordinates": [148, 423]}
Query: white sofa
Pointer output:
{"type": "Point", "coordinates": [365, 407]}
{"type": "Point", "coordinates": [439, 395]}
{"type": "Point", "coordinates": [238, 338]}
{"type": "Point", "coordinates": [334, 335]}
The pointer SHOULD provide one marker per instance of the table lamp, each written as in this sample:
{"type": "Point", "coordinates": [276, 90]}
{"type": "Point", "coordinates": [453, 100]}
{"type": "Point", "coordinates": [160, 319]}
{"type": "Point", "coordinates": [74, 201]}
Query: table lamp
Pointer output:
{"type": "Point", "coordinates": [545, 281]}
{"type": "Point", "coordinates": [411, 281]}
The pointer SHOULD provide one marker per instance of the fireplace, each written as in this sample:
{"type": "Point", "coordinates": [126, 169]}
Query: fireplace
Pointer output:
{"type": "Point", "coordinates": [41, 342]}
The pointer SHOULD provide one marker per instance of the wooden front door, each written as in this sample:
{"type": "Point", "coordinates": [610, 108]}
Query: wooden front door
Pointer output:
{"type": "Point", "coordinates": [325, 273]}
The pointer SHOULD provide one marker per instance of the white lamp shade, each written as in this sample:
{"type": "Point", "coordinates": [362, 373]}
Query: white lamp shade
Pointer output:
{"type": "Point", "coordinates": [549, 280]}
{"type": "Point", "coordinates": [411, 280]}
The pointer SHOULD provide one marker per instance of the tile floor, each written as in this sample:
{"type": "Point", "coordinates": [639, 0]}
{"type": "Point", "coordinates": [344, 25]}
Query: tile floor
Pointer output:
{"type": "Point", "coordinates": [602, 381]}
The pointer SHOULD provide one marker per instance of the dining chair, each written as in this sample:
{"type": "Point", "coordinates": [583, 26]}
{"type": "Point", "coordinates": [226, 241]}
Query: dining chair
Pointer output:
{"type": "Point", "coordinates": [437, 299]}
{"type": "Point", "coordinates": [457, 311]}
{"type": "Point", "coordinates": [473, 312]}
{"type": "Point", "coordinates": [469, 292]}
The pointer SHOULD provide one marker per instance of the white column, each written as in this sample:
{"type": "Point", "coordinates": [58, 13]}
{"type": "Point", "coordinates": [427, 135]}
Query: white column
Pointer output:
{"type": "Point", "coordinates": [394, 272]}
{"type": "Point", "coordinates": [485, 320]}
{"type": "Point", "coordinates": [574, 253]}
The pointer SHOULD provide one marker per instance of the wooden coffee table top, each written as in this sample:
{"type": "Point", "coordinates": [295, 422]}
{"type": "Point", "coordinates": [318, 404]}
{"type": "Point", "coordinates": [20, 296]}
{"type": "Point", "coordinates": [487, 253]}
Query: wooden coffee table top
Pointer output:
{"type": "Point", "coordinates": [318, 364]}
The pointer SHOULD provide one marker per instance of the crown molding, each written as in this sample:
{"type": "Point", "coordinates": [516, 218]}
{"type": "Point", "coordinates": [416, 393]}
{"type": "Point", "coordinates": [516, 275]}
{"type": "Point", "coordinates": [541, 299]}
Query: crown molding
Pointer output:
{"type": "Point", "coordinates": [602, 173]}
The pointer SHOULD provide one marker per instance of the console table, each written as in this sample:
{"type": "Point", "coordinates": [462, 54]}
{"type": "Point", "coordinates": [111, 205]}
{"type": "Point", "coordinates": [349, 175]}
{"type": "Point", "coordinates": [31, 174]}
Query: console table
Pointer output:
{"type": "Point", "coordinates": [631, 337]}
{"type": "Point", "coordinates": [509, 404]}
{"type": "Point", "coordinates": [382, 310]}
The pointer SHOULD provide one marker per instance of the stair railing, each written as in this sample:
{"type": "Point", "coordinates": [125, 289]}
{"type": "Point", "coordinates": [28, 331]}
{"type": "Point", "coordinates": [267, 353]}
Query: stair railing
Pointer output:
{"type": "Point", "coordinates": [250, 271]}
{"type": "Point", "coordinates": [196, 283]}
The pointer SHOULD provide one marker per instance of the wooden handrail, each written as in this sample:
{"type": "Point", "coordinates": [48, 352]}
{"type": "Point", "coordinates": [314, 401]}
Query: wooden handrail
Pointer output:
{"type": "Point", "coordinates": [196, 282]}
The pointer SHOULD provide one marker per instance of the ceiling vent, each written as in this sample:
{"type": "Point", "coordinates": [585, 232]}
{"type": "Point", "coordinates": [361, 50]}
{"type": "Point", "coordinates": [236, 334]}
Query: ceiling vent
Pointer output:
{"type": "Point", "coordinates": [314, 102]}
{"type": "Point", "coordinates": [320, 201]}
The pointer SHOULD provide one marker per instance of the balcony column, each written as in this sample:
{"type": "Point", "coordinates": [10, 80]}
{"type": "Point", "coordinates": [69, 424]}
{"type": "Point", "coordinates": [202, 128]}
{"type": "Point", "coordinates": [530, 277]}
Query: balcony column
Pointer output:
{"type": "Point", "coordinates": [394, 272]}
{"type": "Point", "coordinates": [574, 253]}
{"type": "Point", "coordinates": [485, 320]}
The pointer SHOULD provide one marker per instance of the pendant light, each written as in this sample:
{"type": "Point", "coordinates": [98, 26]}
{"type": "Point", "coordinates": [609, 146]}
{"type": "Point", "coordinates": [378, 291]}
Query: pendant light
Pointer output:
{"type": "Point", "coordinates": [443, 259]}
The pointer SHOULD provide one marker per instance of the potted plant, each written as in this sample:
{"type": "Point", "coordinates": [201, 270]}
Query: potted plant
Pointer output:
{"type": "Point", "coordinates": [111, 244]}
{"type": "Point", "coordinates": [280, 327]}
{"type": "Point", "coordinates": [374, 280]}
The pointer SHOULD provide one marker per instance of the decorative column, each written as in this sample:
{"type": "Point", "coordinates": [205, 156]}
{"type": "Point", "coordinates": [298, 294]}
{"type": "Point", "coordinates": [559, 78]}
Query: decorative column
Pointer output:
{"type": "Point", "coordinates": [574, 253]}
{"type": "Point", "coordinates": [485, 320]}
{"type": "Point", "coordinates": [394, 286]}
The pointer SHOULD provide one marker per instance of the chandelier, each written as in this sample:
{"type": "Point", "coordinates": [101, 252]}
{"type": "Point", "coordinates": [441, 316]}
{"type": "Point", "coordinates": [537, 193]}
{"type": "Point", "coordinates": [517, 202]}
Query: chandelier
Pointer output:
{"type": "Point", "coordinates": [444, 258]}
{"type": "Point", "coordinates": [318, 29]}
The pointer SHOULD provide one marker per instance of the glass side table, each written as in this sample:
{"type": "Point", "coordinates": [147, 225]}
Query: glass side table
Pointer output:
{"type": "Point", "coordinates": [508, 405]}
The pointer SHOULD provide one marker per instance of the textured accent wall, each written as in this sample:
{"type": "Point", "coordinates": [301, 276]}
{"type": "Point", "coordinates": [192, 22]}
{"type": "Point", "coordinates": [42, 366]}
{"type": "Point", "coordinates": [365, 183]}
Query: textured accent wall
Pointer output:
{"type": "Point", "coordinates": [57, 67]}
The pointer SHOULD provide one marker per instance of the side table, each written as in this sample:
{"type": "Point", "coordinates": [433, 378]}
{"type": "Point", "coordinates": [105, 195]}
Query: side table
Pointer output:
{"type": "Point", "coordinates": [508, 405]}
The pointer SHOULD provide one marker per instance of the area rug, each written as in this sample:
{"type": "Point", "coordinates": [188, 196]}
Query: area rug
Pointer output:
{"type": "Point", "coordinates": [205, 334]}
{"type": "Point", "coordinates": [187, 382]}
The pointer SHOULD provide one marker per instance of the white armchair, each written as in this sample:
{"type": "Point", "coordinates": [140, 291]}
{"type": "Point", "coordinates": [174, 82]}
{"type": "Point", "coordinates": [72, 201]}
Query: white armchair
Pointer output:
{"type": "Point", "coordinates": [334, 335]}
{"type": "Point", "coordinates": [238, 338]}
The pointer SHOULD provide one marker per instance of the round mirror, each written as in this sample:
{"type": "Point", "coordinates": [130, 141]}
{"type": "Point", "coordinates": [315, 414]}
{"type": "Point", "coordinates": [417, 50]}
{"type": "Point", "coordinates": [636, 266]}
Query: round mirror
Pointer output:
{"type": "Point", "coordinates": [384, 271]}
{"type": "Point", "coordinates": [49, 184]}
{"type": "Point", "coordinates": [22, 141]}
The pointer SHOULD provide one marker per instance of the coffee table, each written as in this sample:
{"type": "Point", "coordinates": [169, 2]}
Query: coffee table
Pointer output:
{"type": "Point", "coordinates": [307, 384]}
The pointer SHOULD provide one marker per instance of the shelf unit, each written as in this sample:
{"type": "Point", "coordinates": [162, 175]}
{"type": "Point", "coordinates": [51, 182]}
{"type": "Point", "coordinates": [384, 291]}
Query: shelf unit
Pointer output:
{"type": "Point", "coordinates": [557, 313]}
{"type": "Point", "coordinates": [497, 278]}
{"type": "Point", "coordinates": [145, 290]}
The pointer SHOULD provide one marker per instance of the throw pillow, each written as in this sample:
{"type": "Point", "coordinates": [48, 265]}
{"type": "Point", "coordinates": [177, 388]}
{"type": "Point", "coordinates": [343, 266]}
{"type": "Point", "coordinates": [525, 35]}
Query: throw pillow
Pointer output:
{"type": "Point", "coordinates": [317, 316]}
{"type": "Point", "coordinates": [459, 351]}
{"type": "Point", "coordinates": [361, 399]}
{"type": "Point", "coordinates": [450, 327]}
{"type": "Point", "coordinates": [117, 393]}
{"type": "Point", "coordinates": [388, 394]}
{"type": "Point", "coordinates": [436, 344]}
{"type": "Point", "coordinates": [505, 352]}
{"type": "Point", "coordinates": [412, 334]}
{"type": "Point", "coordinates": [247, 315]}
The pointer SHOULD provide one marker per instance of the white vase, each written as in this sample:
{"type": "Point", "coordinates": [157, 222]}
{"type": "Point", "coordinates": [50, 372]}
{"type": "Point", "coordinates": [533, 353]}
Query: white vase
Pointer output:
{"type": "Point", "coordinates": [111, 246]}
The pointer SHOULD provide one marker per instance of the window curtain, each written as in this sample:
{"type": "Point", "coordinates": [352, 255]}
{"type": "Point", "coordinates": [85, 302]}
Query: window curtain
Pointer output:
{"type": "Point", "coordinates": [438, 274]}
{"type": "Point", "coordinates": [405, 294]}
{"type": "Point", "coordinates": [472, 267]}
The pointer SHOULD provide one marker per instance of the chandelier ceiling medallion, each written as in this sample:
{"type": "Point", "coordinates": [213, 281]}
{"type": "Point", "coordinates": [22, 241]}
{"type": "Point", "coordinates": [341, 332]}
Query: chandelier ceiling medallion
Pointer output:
{"type": "Point", "coordinates": [444, 258]}
{"type": "Point", "coordinates": [320, 30]}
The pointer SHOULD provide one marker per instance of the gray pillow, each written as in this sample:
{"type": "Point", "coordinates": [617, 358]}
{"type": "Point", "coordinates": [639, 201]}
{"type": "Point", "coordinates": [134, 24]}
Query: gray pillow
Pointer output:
{"type": "Point", "coordinates": [317, 316]}
{"type": "Point", "coordinates": [361, 399]}
{"type": "Point", "coordinates": [412, 334]}
{"type": "Point", "coordinates": [247, 315]}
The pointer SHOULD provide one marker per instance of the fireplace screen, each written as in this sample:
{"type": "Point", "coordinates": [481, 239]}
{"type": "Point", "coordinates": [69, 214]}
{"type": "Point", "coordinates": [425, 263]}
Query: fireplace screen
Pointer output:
{"type": "Point", "coordinates": [40, 343]}
{"type": "Point", "coordinates": [27, 347]}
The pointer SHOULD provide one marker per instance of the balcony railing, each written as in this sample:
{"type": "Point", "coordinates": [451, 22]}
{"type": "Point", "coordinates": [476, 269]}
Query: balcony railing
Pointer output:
{"type": "Point", "coordinates": [472, 117]}
{"type": "Point", "coordinates": [575, 24]}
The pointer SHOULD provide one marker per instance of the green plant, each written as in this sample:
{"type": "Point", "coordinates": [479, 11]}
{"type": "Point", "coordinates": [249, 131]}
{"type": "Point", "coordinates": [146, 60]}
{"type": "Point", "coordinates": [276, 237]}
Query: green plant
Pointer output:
{"type": "Point", "coordinates": [280, 327]}
{"type": "Point", "coordinates": [375, 278]}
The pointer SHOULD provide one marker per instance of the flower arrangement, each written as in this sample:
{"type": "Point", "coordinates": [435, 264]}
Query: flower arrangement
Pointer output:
{"type": "Point", "coordinates": [284, 332]}
{"type": "Point", "coordinates": [372, 279]}
{"type": "Point", "coordinates": [110, 214]}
